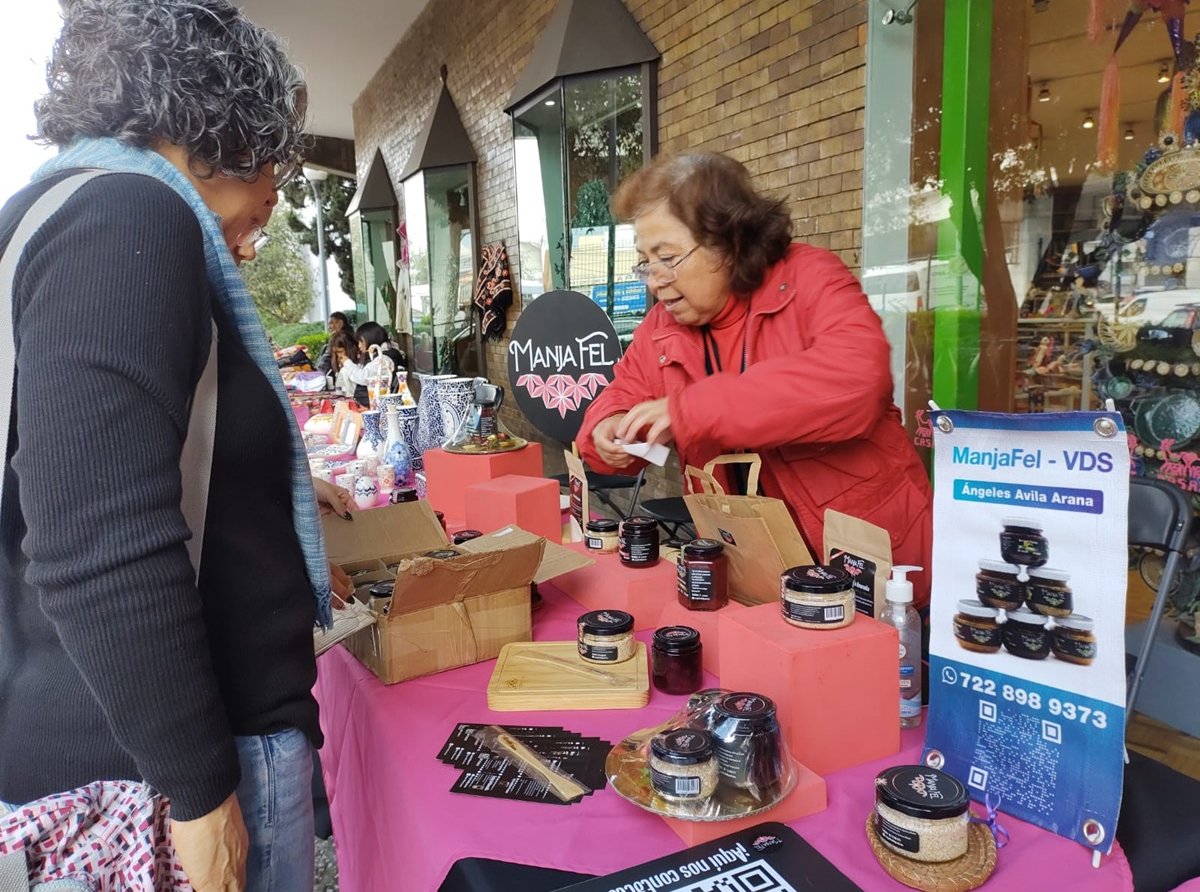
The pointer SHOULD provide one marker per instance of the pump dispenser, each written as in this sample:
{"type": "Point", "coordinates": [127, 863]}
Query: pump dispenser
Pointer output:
{"type": "Point", "coordinates": [900, 614]}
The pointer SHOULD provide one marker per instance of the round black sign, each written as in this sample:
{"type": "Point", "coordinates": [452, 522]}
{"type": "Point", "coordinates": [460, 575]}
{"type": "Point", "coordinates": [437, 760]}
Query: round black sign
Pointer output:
{"type": "Point", "coordinates": [560, 356]}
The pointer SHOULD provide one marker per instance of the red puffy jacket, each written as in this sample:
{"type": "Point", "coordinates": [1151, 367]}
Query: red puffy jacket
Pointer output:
{"type": "Point", "coordinates": [815, 401]}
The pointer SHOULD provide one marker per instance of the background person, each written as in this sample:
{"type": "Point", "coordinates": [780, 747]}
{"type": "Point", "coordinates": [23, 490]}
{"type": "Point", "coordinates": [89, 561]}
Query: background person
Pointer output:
{"type": "Point", "coordinates": [760, 344]}
{"type": "Point", "coordinates": [338, 321]}
{"type": "Point", "coordinates": [116, 662]}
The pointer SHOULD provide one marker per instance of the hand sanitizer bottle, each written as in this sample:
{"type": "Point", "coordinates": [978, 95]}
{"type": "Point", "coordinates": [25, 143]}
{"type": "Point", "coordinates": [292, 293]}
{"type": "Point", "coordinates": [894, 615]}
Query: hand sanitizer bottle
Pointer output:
{"type": "Point", "coordinates": [900, 613]}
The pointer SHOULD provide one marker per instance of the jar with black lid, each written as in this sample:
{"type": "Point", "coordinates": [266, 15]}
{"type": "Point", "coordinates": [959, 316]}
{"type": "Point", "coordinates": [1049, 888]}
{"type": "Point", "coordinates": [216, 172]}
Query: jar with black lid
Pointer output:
{"type": "Point", "coordinates": [817, 597]}
{"type": "Point", "coordinates": [682, 767]}
{"type": "Point", "coordinates": [922, 813]}
{"type": "Point", "coordinates": [703, 575]}
{"type": "Point", "coordinates": [443, 554]}
{"type": "Point", "coordinates": [1022, 543]}
{"type": "Point", "coordinates": [606, 636]}
{"type": "Point", "coordinates": [637, 544]}
{"type": "Point", "coordinates": [998, 584]}
{"type": "Point", "coordinates": [1025, 635]}
{"type": "Point", "coordinates": [676, 666]}
{"type": "Point", "coordinates": [465, 536]}
{"type": "Point", "coordinates": [403, 494]}
{"type": "Point", "coordinates": [1073, 639]}
{"type": "Point", "coordinates": [381, 596]}
{"type": "Point", "coordinates": [601, 535]}
{"type": "Point", "coordinates": [747, 739]}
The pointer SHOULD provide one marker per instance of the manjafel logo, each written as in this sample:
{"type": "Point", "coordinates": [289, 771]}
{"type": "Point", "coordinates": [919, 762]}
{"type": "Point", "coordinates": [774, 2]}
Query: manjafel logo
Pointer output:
{"type": "Point", "coordinates": [926, 785]}
{"type": "Point", "coordinates": [765, 842]}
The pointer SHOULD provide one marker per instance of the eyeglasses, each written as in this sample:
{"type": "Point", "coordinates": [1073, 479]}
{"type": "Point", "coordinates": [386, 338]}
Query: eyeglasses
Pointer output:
{"type": "Point", "coordinates": [256, 237]}
{"type": "Point", "coordinates": [661, 272]}
{"type": "Point", "coordinates": [287, 171]}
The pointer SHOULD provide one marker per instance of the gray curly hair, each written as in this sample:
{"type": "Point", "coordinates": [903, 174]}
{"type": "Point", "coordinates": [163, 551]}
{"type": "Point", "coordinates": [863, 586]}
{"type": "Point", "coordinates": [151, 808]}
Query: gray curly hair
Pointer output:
{"type": "Point", "coordinates": [194, 73]}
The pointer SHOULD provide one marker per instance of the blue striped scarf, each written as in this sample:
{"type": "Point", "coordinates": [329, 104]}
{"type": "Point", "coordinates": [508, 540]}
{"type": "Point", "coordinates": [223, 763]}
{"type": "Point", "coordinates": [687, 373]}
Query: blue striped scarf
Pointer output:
{"type": "Point", "coordinates": [227, 283]}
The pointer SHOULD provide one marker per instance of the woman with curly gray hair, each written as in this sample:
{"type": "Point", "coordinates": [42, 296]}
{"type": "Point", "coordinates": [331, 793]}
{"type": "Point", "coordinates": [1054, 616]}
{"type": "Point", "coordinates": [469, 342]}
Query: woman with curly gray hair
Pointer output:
{"type": "Point", "coordinates": [162, 565]}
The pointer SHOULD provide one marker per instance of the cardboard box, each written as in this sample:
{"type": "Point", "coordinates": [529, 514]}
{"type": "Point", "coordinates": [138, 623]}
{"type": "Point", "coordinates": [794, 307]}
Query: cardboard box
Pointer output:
{"type": "Point", "coordinates": [444, 612]}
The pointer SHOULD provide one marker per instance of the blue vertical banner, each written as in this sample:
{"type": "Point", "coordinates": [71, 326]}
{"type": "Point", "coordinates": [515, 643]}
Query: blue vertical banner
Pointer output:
{"type": "Point", "coordinates": [1027, 619]}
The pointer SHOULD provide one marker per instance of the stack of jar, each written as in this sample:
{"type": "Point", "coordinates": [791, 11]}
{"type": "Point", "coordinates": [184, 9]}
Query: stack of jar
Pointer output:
{"type": "Point", "coordinates": [1022, 605]}
{"type": "Point", "coordinates": [732, 741]}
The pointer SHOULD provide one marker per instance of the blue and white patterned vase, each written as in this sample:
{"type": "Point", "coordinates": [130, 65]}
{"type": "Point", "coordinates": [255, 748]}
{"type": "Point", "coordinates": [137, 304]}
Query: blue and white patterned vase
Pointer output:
{"type": "Point", "coordinates": [410, 429]}
{"type": "Point", "coordinates": [454, 396]}
{"type": "Point", "coordinates": [429, 412]}
{"type": "Point", "coordinates": [373, 435]}
{"type": "Point", "coordinates": [396, 452]}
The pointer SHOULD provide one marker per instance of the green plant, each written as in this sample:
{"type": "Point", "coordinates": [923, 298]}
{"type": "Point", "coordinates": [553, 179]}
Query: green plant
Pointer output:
{"type": "Point", "coordinates": [313, 344]}
{"type": "Point", "coordinates": [286, 334]}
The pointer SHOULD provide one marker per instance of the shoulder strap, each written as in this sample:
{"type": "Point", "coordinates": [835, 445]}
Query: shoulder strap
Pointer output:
{"type": "Point", "coordinates": [196, 459]}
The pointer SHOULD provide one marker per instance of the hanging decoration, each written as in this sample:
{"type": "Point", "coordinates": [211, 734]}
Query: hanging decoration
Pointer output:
{"type": "Point", "coordinates": [1109, 130]}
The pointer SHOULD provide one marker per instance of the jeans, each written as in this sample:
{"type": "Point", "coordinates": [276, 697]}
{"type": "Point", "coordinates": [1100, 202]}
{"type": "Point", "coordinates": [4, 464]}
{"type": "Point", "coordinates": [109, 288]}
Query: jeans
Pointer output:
{"type": "Point", "coordinates": [275, 796]}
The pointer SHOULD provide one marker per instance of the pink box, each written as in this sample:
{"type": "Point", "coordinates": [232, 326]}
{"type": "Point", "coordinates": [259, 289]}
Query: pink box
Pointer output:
{"type": "Point", "coordinates": [529, 502]}
{"type": "Point", "coordinates": [447, 475]}
{"type": "Point", "coordinates": [610, 585]}
{"type": "Point", "coordinates": [807, 799]}
{"type": "Point", "coordinates": [703, 621]}
{"type": "Point", "coordinates": [837, 691]}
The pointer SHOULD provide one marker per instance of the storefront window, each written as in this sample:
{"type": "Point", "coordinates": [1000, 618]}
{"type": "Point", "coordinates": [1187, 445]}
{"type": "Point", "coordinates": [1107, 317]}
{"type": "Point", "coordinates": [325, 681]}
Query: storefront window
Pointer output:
{"type": "Point", "coordinates": [441, 264]}
{"type": "Point", "coordinates": [573, 145]}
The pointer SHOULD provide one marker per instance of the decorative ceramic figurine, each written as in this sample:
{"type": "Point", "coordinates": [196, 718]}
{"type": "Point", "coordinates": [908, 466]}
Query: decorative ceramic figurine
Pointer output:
{"type": "Point", "coordinates": [366, 492]}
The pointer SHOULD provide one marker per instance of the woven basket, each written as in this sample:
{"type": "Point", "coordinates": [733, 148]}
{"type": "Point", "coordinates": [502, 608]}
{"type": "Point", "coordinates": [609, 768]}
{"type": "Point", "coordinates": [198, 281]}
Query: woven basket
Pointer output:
{"type": "Point", "coordinates": [968, 872]}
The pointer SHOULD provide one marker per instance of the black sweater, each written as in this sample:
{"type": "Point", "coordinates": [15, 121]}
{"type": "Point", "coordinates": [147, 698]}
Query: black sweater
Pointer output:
{"type": "Point", "coordinates": [114, 663]}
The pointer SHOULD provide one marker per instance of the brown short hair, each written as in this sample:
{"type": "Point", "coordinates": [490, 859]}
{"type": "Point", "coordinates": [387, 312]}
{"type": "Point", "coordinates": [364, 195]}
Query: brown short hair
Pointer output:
{"type": "Point", "coordinates": [715, 197]}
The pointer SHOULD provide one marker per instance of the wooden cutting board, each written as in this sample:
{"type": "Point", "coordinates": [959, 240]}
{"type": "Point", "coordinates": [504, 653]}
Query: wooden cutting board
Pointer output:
{"type": "Point", "coordinates": [546, 675]}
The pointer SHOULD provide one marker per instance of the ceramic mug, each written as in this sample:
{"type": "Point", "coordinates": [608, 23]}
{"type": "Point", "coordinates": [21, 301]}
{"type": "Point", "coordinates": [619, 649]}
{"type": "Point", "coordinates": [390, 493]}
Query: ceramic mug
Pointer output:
{"type": "Point", "coordinates": [345, 481]}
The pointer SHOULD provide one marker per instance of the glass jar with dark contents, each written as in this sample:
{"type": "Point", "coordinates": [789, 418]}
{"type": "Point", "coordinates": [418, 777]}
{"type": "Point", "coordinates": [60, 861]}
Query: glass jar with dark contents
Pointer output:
{"type": "Point", "coordinates": [637, 542]}
{"type": "Point", "coordinates": [1073, 640]}
{"type": "Point", "coordinates": [403, 494]}
{"type": "Point", "coordinates": [1048, 592]}
{"type": "Point", "coordinates": [703, 575]}
{"type": "Point", "coordinates": [443, 554]}
{"type": "Point", "coordinates": [465, 536]}
{"type": "Point", "coordinates": [675, 660]}
{"type": "Point", "coordinates": [997, 584]}
{"type": "Point", "coordinates": [747, 739]}
{"type": "Point", "coordinates": [1025, 635]}
{"type": "Point", "coordinates": [976, 628]}
{"type": "Point", "coordinates": [1022, 542]}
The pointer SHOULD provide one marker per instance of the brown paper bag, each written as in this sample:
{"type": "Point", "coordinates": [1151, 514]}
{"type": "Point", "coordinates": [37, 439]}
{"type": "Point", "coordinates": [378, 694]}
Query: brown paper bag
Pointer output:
{"type": "Point", "coordinates": [865, 552]}
{"type": "Point", "coordinates": [578, 489]}
{"type": "Point", "coordinates": [760, 537]}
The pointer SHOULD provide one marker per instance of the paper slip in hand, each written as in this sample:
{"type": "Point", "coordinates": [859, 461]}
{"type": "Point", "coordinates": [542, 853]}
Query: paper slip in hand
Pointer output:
{"type": "Point", "coordinates": [655, 453]}
{"type": "Point", "coordinates": [346, 621]}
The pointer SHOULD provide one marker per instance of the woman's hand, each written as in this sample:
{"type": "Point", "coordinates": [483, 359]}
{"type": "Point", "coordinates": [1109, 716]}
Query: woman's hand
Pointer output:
{"type": "Point", "coordinates": [652, 417]}
{"type": "Point", "coordinates": [333, 499]}
{"type": "Point", "coordinates": [212, 849]}
{"type": "Point", "coordinates": [602, 438]}
{"type": "Point", "coordinates": [343, 588]}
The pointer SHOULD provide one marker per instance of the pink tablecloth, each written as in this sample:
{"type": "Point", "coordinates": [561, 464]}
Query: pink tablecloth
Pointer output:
{"type": "Point", "coordinates": [399, 829]}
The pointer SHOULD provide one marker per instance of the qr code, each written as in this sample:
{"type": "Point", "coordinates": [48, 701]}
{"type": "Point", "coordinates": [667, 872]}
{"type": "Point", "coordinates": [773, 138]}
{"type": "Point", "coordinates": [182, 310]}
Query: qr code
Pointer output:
{"type": "Point", "coordinates": [757, 876]}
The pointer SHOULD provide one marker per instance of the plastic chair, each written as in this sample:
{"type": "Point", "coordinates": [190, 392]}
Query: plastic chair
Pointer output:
{"type": "Point", "coordinates": [1160, 517]}
{"type": "Point", "coordinates": [672, 515]}
{"type": "Point", "coordinates": [602, 486]}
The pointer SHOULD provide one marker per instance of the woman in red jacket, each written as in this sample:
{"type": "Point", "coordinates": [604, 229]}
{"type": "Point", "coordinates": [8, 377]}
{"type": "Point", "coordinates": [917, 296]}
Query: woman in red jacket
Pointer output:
{"type": "Point", "coordinates": [759, 344]}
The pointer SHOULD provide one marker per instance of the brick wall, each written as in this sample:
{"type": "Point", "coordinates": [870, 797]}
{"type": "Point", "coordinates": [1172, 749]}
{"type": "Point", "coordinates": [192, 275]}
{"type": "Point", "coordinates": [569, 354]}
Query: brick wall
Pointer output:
{"type": "Point", "coordinates": [777, 84]}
